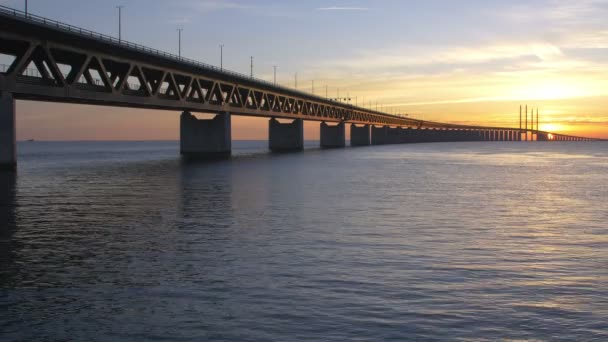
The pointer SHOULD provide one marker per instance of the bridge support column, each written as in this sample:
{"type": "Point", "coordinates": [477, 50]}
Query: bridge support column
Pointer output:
{"type": "Point", "coordinates": [333, 136]}
{"type": "Point", "coordinates": [379, 135]}
{"type": "Point", "coordinates": [359, 136]}
{"type": "Point", "coordinates": [205, 139]}
{"type": "Point", "coordinates": [285, 137]}
{"type": "Point", "coordinates": [8, 155]}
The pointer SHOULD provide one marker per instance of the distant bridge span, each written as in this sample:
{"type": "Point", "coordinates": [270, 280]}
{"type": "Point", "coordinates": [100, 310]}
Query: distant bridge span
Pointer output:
{"type": "Point", "coordinates": [52, 61]}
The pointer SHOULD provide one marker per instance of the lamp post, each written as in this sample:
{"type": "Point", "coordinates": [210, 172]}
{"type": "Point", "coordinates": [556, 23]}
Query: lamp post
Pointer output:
{"type": "Point", "coordinates": [221, 56]}
{"type": "Point", "coordinates": [119, 20]}
{"type": "Point", "coordinates": [275, 74]}
{"type": "Point", "coordinates": [26, 8]}
{"type": "Point", "coordinates": [251, 57]}
{"type": "Point", "coordinates": [179, 44]}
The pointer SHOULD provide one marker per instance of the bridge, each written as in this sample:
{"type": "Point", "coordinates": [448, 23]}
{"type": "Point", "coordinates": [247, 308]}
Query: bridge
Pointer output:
{"type": "Point", "coordinates": [52, 61]}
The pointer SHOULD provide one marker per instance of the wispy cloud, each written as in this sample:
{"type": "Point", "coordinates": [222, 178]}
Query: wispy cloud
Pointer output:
{"type": "Point", "coordinates": [211, 6]}
{"type": "Point", "coordinates": [338, 8]}
{"type": "Point", "coordinates": [243, 7]}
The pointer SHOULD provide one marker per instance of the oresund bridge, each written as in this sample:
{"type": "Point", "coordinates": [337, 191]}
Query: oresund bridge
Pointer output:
{"type": "Point", "coordinates": [52, 61]}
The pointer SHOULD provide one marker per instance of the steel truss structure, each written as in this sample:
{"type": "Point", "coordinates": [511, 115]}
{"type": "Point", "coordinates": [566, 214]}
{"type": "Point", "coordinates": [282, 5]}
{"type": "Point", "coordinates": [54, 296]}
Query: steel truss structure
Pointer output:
{"type": "Point", "coordinates": [52, 61]}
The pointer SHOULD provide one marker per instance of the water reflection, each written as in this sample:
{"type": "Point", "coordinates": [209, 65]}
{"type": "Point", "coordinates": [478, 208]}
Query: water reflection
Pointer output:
{"type": "Point", "coordinates": [8, 206]}
{"type": "Point", "coordinates": [409, 242]}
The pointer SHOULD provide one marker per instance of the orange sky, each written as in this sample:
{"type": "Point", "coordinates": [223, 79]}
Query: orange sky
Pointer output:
{"type": "Point", "coordinates": [52, 121]}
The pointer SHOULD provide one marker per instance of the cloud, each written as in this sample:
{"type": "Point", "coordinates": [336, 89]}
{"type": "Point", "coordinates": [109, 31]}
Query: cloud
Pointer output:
{"type": "Point", "coordinates": [269, 10]}
{"type": "Point", "coordinates": [213, 6]}
{"type": "Point", "coordinates": [430, 59]}
{"type": "Point", "coordinates": [336, 8]}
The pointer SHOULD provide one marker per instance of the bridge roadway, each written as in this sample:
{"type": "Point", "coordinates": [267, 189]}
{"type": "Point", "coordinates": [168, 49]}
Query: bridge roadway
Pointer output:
{"type": "Point", "coordinates": [52, 61]}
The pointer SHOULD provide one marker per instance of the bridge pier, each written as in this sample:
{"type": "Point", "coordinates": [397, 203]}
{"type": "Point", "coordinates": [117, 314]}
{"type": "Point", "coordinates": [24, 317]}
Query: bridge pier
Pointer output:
{"type": "Point", "coordinates": [8, 155]}
{"type": "Point", "coordinates": [333, 136]}
{"type": "Point", "coordinates": [285, 137]}
{"type": "Point", "coordinates": [205, 139]}
{"type": "Point", "coordinates": [393, 135]}
{"type": "Point", "coordinates": [360, 136]}
{"type": "Point", "coordinates": [379, 135]}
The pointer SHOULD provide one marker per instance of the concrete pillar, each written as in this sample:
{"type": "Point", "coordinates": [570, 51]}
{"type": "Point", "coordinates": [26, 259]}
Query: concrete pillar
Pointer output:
{"type": "Point", "coordinates": [407, 135]}
{"type": "Point", "coordinates": [413, 135]}
{"type": "Point", "coordinates": [285, 137]}
{"type": "Point", "coordinates": [360, 136]}
{"type": "Point", "coordinates": [394, 135]}
{"type": "Point", "coordinates": [379, 135]}
{"type": "Point", "coordinates": [205, 139]}
{"type": "Point", "coordinates": [8, 154]}
{"type": "Point", "coordinates": [333, 136]}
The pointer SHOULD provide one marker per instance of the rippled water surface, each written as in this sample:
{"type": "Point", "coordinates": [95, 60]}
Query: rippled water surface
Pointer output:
{"type": "Point", "coordinates": [122, 241]}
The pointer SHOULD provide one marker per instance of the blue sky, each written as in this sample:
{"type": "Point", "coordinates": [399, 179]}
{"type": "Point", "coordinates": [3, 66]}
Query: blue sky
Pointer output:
{"type": "Point", "coordinates": [460, 61]}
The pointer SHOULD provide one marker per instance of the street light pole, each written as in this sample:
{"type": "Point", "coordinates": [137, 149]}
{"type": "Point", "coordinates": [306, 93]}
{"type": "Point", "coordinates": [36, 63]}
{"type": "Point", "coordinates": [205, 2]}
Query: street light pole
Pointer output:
{"type": "Point", "coordinates": [221, 56]}
{"type": "Point", "coordinates": [251, 66]}
{"type": "Point", "coordinates": [119, 21]}
{"type": "Point", "coordinates": [26, 8]}
{"type": "Point", "coordinates": [296, 80]}
{"type": "Point", "coordinates": [275, 74]}
{"type": "Point", "coordinates": [179, 46]}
